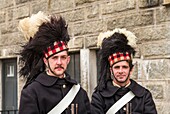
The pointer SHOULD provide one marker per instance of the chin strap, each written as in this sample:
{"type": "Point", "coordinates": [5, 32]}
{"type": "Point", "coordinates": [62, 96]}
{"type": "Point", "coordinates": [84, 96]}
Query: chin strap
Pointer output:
{"type": "Point", "coordinates": [50, 68]}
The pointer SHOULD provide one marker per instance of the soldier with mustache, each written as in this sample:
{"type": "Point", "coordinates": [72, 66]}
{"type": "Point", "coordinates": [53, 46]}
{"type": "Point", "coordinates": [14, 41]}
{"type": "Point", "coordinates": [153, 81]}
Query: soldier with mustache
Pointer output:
{"type": "Point", "coordinates": [49, 88]}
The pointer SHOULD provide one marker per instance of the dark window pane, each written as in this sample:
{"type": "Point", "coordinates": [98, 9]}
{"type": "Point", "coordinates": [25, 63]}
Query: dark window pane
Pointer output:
{"type": "Point", "coordinates": [9, 84]}
{"type": "Point", "coordinates": [74, 66]}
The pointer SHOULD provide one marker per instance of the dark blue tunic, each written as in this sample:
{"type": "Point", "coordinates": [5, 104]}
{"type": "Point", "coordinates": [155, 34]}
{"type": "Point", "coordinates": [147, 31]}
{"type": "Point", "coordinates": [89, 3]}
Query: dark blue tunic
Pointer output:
{"type": "Point", "coordinates": [46, 92]}
{"type": "Point", "coordinates": [142, 103]}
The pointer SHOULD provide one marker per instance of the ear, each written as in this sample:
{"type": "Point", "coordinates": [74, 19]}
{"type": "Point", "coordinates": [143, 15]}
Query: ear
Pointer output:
{"type": "Point", "coordinates": [132, 69]}
{"type": "Point", "coordinates": [68, 59]}
{"type": "Point", "coordinates": [111, 69]}
{"type": "Point", "coordinates": [45, 61]}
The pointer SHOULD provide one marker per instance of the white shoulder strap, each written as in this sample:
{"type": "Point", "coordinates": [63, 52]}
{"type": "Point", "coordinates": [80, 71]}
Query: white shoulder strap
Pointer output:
{"type": "Point", "coordinates": [65, 102]}
{"type": "Point", "coordinates": [120, 103]}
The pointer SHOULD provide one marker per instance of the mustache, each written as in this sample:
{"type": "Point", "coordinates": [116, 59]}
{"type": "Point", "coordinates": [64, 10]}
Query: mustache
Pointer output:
{"type": "Point", "coordinates": [59, 67]}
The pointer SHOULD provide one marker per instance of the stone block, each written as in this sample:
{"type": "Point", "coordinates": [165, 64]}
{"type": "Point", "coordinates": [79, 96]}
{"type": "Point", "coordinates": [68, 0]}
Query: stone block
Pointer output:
{"type": "Point", "coordinates": [152, 33]}
{"type": "Point", "coordinates": [159, 49]}
{"type": "Point", "coordinates": [92, 11]}
{"type": "Point", "coordinates": [61, 5]}
{"type": "Point", "coordinates": [118, 6]}
{"type": "Point", "coordinates": [2, 4]}
{"type": "Point", "coordinates": [9, 14]}
{"type": "Point", "coordinates": [6, 3]}
{"type": "Point", "coordinates": [161, 14]}
{"type": "Point", "coordinates": [76, 15]}
{"type": "Point", "coordinates": [155, 69]}
{"type": "Point", "coordinates": [157, 90]}
{"type": "Point", "coordinates": [163, 103]}
{"type": "Point", "coordinates": [21, 12]}
{"type": "Point", "coordinates": [168, 14]}
{"type": "Point", "coordinates": [39, 6]}
{"type": "Point", "coordinates": [11, 39]}
{"type": "Point", "coordinates": [9, 51]}
{"type": "Point", "coordinates": [75, 43]}
{"type": "Point", "coordinates": [159, 69]}
{"type": "Point", "coordinates": [78, 28]}
{"type": "Point", "coordinates": [90, 41]}
{"type": "Point", "coordinates": [2, 16]}
{"type": "Point", "coordinates": [9, 28]}
{"type": "Point", "coordinates": [88, 27]}
{"type": "Point", "coordinates": [164, 108]}
{"type": "Point", "coordinates": [130, 20]}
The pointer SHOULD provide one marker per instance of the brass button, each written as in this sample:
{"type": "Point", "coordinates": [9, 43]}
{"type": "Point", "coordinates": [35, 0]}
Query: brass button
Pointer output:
{"type": "Point", "coordinates": [64, 86]}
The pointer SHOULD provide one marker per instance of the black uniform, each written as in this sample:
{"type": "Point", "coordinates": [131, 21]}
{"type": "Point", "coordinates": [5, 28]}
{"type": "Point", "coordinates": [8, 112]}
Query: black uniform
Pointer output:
{"type": "Point", "coordinates": [142, 103]}
{"type": "Point", "coordinates": [47, 91]}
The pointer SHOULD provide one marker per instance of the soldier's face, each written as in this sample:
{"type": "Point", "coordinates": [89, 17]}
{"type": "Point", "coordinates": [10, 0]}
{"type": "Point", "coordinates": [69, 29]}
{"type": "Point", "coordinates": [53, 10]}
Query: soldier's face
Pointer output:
{"type": "Point", "coordinates": [58, 64]}
{"type": "Point", "coordinates": [121, 72]}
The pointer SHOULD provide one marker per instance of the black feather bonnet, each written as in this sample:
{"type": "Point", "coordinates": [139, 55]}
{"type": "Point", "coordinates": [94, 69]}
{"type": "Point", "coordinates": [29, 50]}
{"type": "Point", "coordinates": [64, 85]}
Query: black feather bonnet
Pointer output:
{"type": "Point", "coordinates": [115, 46]}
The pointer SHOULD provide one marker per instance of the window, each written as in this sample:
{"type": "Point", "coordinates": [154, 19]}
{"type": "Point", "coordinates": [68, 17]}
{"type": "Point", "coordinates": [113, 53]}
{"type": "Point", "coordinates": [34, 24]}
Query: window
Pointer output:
{"type": "Point", "coordinates": [9, 85]}
{"type": "Point", "coordinates": [10, 70]}
{"type": "Point", "coordinates": [74, 66]}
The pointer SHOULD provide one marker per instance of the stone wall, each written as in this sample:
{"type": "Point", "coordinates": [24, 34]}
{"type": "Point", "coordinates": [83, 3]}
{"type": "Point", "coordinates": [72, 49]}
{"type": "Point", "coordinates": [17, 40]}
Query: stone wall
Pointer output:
{"type": "Point", "coordinates": [148, 19]}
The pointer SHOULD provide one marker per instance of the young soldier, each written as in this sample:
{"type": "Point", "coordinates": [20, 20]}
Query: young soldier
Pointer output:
{"type": "Point", "coordinates": [116, 93]}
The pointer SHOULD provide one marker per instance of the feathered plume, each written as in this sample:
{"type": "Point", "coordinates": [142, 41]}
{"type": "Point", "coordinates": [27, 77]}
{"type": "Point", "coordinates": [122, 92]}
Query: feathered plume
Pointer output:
{"type": "Point", "coordinates": [130, 36]}
{"type": "Point", "coordinates": [30, 25]}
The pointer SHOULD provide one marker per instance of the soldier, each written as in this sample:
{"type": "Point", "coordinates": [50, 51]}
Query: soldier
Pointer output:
{"type": "Point", "coordinates": [49, 88]}
{"type": "Point", "coordinates": [116, 93]}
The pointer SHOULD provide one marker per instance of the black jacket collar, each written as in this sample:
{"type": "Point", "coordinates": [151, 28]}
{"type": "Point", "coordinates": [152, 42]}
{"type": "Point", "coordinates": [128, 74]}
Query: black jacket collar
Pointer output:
{"type": "Point", "coordinates": [137, 89]}
{"type": "Point", "coordinates": [47, 80]}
